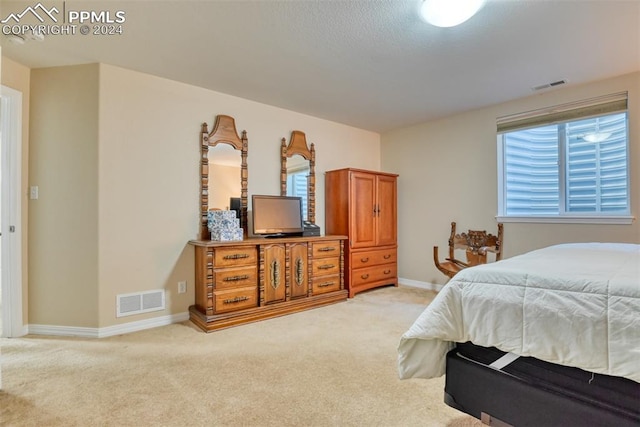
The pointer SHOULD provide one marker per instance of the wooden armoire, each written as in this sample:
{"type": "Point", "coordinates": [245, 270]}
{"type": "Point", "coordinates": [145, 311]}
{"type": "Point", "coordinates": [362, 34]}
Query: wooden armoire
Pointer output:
{"type": "Point", "coordinates": [362, 205]}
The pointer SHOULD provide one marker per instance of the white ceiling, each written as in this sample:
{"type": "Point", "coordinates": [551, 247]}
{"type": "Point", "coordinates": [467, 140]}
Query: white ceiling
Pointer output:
{"type": "Point", "coordinates": [372, 64]}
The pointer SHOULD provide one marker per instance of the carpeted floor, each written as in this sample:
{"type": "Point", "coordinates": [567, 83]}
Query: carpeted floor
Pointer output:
{"type": "Point", "coordinates": [330, 366]}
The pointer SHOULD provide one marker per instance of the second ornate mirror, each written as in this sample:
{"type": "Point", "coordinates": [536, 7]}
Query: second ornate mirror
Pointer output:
{"type": "Point", "coordinates": [223, 172]}
{"type": "Point", "coordinates": [297, 173]}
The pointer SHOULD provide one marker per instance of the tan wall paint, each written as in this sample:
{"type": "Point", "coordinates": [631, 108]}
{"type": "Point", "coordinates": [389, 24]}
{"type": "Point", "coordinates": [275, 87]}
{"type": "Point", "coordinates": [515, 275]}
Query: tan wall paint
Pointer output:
{"type": "Point", "coordinates": [115, 154]}
{"type": "Point", "coordinates": [149, 176]}
{"type": "Point", "coordinates": [63, 222]}
{"type": "Point", "coordinates": [142, 240]}
{"type": "Point", "coordinates": [448, 172]}
{"type": "Point", "coordinates": [17, 76]}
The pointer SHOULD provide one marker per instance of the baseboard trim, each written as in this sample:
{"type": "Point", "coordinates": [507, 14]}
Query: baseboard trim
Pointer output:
{"type": "Point", "coordinates": [419, 284]}
{"type": "Point", "coordinates": [126, 328]}
{"type": "Point", "coordinates": [109, 331]}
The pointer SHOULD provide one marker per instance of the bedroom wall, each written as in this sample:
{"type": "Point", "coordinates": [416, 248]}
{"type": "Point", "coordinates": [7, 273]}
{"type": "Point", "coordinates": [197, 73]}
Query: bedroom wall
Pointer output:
{"type": "Point", "coordinates": [116, 155]}
{"type": "Point", "coordinates": [17, 76]}
{"type": "Point", "coordinates": [448, 172]}
{"type": "Point", "coordinates": [63, 221]}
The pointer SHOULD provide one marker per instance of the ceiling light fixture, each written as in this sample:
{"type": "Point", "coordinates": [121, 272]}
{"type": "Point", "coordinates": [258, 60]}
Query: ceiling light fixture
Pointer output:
{"type": "Point", "coordinates": [449, 13]}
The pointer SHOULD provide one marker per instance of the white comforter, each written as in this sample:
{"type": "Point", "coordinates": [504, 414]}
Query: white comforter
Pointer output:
{"type": "Point", "coordinates": [573, 304]}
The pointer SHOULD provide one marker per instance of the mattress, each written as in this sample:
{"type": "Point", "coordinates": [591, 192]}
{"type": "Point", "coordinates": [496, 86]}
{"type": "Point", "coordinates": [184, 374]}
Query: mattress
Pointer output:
{"type": "Point", "coordinates": [574, 304]}
{"type": "Point", "coordinates": [530, 392]}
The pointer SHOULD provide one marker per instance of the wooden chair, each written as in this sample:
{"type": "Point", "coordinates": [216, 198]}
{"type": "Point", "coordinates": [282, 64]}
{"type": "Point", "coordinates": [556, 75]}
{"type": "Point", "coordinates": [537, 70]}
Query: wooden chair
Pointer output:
{"type": "Point", "coordinates": [476, 245]}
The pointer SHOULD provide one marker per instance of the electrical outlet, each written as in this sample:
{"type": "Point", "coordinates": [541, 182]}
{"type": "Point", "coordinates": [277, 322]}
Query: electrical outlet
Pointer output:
{"type": "Point", "coordinates": [33, 192]}
{"type": "Point", "coordinates": [182, 287]}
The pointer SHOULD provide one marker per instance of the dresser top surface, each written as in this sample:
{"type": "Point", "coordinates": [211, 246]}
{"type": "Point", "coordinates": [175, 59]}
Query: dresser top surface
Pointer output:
{"type": "Point", "coordinates": [266, 241]}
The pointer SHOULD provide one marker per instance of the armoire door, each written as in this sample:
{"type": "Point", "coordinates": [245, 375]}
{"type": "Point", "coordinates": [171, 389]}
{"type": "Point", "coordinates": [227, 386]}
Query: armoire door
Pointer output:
{"type": "Point", "coordinates": [386, 210]}
{"type": "Point", "coordinates": [362, 210]}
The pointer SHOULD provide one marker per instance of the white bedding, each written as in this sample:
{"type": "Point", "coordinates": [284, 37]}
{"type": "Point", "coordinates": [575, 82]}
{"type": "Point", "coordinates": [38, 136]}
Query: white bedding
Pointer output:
{"type": "Point", "coordinates": [573, 304]}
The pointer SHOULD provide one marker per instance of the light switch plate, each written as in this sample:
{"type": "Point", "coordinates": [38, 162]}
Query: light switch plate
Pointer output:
{"type": "Point", "coordinates": [33, 192]}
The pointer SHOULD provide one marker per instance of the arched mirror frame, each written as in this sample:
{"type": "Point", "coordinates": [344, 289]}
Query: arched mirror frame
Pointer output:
{"type": "Point", "coordinates": [224, 132]}
{"type": "Point", "coordinates": [298, 146]}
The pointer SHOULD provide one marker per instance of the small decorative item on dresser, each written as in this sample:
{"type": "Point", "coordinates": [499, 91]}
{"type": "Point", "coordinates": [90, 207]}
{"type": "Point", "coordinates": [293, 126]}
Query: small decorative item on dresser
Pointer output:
{"type": "Point", "coordinates": [224, 226]}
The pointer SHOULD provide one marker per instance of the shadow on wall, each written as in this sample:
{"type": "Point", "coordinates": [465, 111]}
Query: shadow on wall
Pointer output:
{"type": "Point", "coordinates": [183, 270]}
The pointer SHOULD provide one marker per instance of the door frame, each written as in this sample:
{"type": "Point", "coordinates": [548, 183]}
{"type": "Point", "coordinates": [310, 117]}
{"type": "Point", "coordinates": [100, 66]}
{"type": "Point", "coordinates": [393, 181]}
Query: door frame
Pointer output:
{"type": "Point", "coordinates": [11, 240]}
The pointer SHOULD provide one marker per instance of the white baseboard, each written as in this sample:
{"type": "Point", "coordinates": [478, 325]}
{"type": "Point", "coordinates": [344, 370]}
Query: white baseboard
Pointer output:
{"type": "Point", "coordinates": [126, 328]}
{"type": "Point", "coordinates": [419, 284]}
{"type": "Point", "coordinates": [109, 331]}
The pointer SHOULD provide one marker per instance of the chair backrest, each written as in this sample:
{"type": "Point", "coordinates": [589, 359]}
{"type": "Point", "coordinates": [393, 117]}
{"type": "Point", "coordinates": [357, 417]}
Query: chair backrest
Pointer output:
{"type": "Point", "coordinates": [476, 244]}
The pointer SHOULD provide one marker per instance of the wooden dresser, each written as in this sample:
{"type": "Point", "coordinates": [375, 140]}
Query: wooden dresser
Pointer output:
{"type": "Point", "coordinates": [363, 205]}
{"type": "Point", "coordinates": [255, 279]}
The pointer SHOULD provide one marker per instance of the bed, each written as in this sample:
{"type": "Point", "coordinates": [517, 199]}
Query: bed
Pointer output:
{"type": "Point", "coordinates": [562, 322]}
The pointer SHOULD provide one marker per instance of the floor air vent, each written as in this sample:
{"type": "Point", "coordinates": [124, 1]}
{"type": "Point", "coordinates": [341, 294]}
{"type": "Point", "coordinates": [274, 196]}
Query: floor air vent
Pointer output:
{"type": "Point", "coordinates": [139, 302]}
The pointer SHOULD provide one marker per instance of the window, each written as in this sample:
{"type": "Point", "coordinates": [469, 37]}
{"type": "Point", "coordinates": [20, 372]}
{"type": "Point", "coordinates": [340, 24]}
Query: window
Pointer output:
{"type": "Point", "coordinates": [566, 163]}
{"type": "Point", "coordinates": [297, 184]}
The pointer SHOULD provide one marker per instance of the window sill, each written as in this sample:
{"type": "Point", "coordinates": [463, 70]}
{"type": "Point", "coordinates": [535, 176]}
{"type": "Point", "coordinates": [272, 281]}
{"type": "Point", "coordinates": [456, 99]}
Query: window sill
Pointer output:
{"type": "Point", "coordinates": [567, 219]}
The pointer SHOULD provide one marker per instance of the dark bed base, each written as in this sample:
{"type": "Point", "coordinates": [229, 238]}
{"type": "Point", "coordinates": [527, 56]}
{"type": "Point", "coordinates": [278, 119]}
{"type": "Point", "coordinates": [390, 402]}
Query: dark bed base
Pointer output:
{"type": "Point", "coordinates": [530, 392]}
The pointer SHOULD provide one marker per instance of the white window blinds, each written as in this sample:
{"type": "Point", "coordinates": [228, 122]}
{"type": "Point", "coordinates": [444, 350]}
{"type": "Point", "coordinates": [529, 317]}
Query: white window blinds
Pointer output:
{"type": "Point", "coordinates": [297, 186]}
{"type": "Point", "coordinates": [568, 160]}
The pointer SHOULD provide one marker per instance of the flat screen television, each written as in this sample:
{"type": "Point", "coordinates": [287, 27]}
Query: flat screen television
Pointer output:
{"type": "Point", "coordinates": [277, 216]}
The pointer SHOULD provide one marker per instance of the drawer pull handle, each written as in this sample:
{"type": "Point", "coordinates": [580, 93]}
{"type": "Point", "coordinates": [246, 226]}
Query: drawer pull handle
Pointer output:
{"type": "Point", "coordinates": [236, 256]}
{"type": "Point", "coordinates": [326, 267]}
{"type": "Point", "coordinates": [236, 278]}
{"type": "Point", "coordinates": [327, 249]}
{"type": "Point", "coordinates": [387, 256]}
{"type": "Point", "coordinates": [325, 284]}
{"type": "Point", "coordinates": [299, 271]}
{"type": "Point", "coordinates": [235, 300]}
{"type": "Point", "coordinates": [387, 271]}
{"type": "Point", "coordinates": [364, 259]}
{"type": "Point", "coordinates": [365, 276]}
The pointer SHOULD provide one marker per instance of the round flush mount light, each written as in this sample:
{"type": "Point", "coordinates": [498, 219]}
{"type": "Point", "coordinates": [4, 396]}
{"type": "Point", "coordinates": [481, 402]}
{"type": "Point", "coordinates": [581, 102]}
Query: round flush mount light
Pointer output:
{"type": "Point", "coordinates": [449, 13]}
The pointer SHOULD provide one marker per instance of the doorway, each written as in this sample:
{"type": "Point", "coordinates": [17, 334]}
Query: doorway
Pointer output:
{"type": "Point", "coordinates": [11, 322]}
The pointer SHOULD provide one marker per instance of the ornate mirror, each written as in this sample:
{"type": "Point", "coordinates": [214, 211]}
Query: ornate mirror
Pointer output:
{"type": "Point", "coordinates": [223, 172]}
{"type": "Point", "coordinates": [297, 173]}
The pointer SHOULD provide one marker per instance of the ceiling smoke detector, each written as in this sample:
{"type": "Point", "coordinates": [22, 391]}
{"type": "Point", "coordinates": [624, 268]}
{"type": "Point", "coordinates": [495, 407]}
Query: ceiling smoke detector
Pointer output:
{"type": "Point", "coordinates": [23, 38]}
{"type": "Point", "coordinates": [15, 39]}
{"type": "Point", "coordinates": [37, 36]}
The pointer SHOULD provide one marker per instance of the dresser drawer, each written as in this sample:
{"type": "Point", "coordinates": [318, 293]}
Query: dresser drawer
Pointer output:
{"type": "Point", "coordinates": [362, 276]}
{"type": "Point", "coordinates": [326, 284]}
{"type": "Point", "coordinates": [329, 248]}
{"type": "Point", "coordinates": [235, 299]}
{"type": "Point", "coordinates": [326, 266]}
{"type": "Point", "coordinates": [235, 256]}
{"type": "Point", "coordinates": [374, 257]}
{"type": "Point", "coordinates": [236, 278]}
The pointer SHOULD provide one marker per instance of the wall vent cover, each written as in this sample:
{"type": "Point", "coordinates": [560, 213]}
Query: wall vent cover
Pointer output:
{"type": "Point", "coordinates": [549, 85]}
{"type": "Point", "coordinates": [139, 302]}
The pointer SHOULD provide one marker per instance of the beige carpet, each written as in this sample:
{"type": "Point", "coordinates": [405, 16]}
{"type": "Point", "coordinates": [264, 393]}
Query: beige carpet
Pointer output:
{"type": "Point", "coordinates": [330, 366]}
